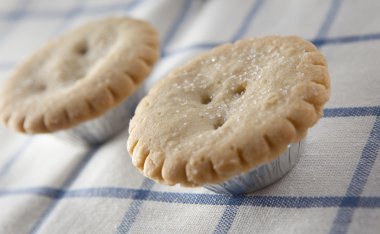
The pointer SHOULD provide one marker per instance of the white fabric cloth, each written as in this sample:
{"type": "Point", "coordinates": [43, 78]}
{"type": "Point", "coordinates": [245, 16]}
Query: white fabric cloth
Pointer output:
{"type": "Point", "coordinates": [50, 186]}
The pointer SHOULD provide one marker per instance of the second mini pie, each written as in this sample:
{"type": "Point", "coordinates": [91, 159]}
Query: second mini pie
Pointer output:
{"type": "Point", "coordinates": [80, 76]}
{"type": "Point", "coordinates": [229, 110]}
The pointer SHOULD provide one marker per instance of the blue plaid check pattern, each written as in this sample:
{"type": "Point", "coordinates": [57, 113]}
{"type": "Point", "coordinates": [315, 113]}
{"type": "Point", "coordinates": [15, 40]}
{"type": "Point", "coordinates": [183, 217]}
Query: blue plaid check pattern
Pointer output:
{"type": "Point", "coordinates": [50, 186]}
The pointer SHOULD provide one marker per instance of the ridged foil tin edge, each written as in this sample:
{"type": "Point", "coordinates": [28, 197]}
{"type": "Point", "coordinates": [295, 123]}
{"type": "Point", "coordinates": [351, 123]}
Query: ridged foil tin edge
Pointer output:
{"type": "Point", "coordinates": [262, 175]}
{"type": "Point", "coordinates": [104, 127]}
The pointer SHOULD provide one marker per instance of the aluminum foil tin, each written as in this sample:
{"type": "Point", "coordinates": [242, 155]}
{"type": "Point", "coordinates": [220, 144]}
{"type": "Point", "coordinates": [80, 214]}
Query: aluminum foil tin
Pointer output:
{"type": "Point", "coordinates": [104, 127]}
{"type": "Point", "coordinates": [262, 175]}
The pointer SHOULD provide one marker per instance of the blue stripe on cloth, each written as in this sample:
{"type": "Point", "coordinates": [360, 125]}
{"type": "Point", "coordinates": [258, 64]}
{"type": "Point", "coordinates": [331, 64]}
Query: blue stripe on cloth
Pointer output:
{"type": "Point", "coordinates": [248, 20]}
{"type": "Point", "coordinates": [199, 198]}
{"type": "Point", "coordinates": [174, 28]}
{"type": "Point", "coordinates": [329, 18]}
{"type": "Point", "coordinates": [18, 12]}
{"type": "Point", "coordinates": [318, 42]}
{"type": "Point", "coordinates": [241, 31]}
{"type": "Point", "coordinates": [13, 158]}
{"type": "Point", "coordinates": [359, 179]}
{"type": "Point", "coordinates": [346, 39]}
{"type": "Point", "coordinates": [52, 193]}
{"type": "Point", "coordinates": [351, 112]}
{"type": "Point", "coordinates": [54, 13]}
{"type": "Point", "coordinates": [16, 15]}
{"type": "Point", "coordinates": [73, 175]}
{"type": "Point", "coordinates": [79, 10]}
{"type": "Point", "coordinates": [228, 215]}
{"type": "Point", "coordinates": [201, 46]}
{"type": "Point", "coordinates": [128, 6]}
{"type": "Point", "coordinates": [134, 209]}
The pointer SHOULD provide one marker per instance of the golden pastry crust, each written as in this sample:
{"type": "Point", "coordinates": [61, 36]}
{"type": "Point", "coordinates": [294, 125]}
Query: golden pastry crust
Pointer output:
{"type": "Point", "coordinates": [79, 75]}
{"type": "Point", "coordinates": [229, 110]}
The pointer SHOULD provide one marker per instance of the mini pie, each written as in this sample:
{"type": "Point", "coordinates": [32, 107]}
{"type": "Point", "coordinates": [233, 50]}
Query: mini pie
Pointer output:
{"type": "Point", "coordinates": [229, 110]}
{"type": "Point", "coordinates": [79, 76]}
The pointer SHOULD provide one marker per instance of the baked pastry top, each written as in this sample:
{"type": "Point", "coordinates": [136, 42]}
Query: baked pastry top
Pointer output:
{"type": "Point", "coordinates": [79, 76]}
{"type": "Point", "coordinates": [228, 110]}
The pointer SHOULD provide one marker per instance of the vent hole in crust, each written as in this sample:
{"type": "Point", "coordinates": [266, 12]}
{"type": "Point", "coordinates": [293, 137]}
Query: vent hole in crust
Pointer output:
{"type": "Point", "coordinates": [82, 48]}
{"type": "Point", "coordinates": [218, 123]}
{"type": "Point", "coordinates": [240, 90]}
{"type": "Point", "coordinates": [40, 88]}
{"type": "Point", "coordinates": [206, 99]}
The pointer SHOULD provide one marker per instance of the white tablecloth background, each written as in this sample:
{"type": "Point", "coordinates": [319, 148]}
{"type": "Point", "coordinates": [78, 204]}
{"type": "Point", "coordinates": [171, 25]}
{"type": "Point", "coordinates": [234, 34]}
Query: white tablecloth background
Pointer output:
{"type": "Point", "coordinates": [50, 186]}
